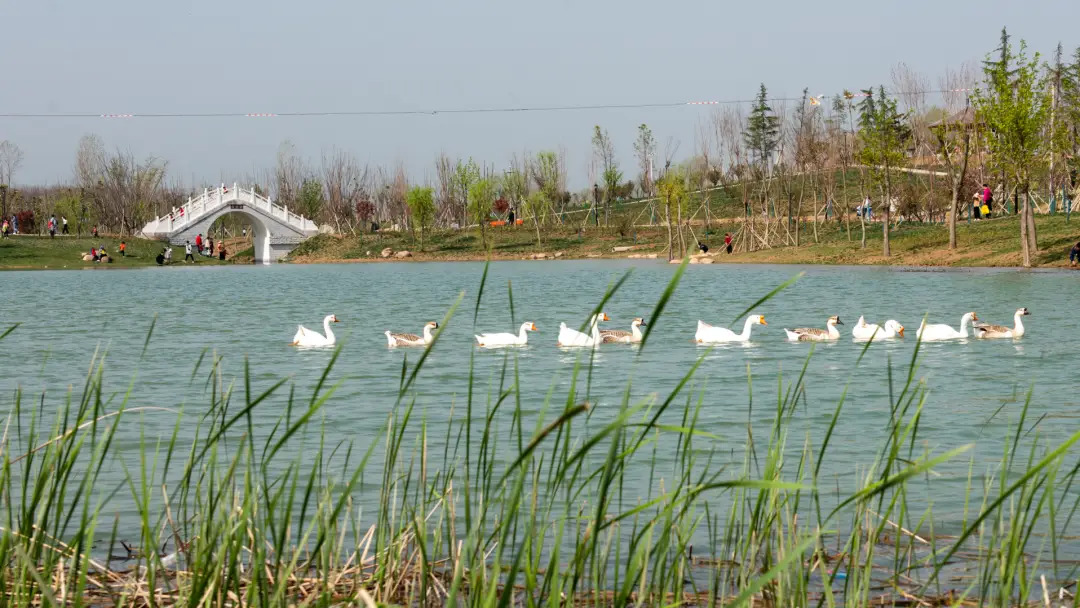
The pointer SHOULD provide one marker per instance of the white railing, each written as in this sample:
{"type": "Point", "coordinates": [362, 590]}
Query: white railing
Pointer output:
{"type": "Point", "coordinates": [212, 200]}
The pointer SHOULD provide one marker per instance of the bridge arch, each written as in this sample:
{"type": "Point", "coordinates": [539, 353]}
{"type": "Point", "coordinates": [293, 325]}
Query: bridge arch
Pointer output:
{"type": "Point", "coordinates": [277, 230]}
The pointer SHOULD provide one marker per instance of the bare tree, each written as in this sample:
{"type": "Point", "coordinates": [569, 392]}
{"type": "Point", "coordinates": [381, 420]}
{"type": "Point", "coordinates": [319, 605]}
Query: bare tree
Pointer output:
{"type": "Point", "coordinates": [346, 184]}
{"type": "Point", "coordinates": [447, 195]}
{"type": "Point", "coordinates": [953, 135]}
{"type": "Point", "coordinates": [290, 174]}
{"type": "Point", "coordinates": [10, 159]}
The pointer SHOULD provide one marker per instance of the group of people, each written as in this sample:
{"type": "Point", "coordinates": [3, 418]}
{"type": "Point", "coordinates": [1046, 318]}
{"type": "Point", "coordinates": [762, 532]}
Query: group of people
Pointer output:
{"type": "Point", "coordinates": [98, 254]}
{"type": "Point", "coordinates": [11, 227]}
{"type": "Point", "coordinates": [204, 247]}
{"type": "Point", "coordinates": [703, 248]}
{"type": "Point", "coordinates": [982, 202]}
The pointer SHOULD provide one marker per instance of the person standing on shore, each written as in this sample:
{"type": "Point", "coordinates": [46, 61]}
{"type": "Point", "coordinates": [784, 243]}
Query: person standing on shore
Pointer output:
{"type": "Point", "coordinates": [14, 224]}
{"type": "Point", "coordinates": [727, 242]}
{"type": "Point", "coordinates": [64, 227]}
{"type": "Point", "coordinates": [988, 200]}
{"type": "Point", "coordinates": [221, 251]}
{"type": "Point", "coordinates": [198, 242]}
{"type": "Point", "coordinates": [4, 228]}
{"type": "Point", "coordinates": [187, 252]}
{"type": "Point", "coordinates": [52, 226]}
{"type": "Point", "coordinates": [976, 202]}
{"type": "Point", "coordinates": [868, 209]}
{"type": "Point", "coordinates": [1074, 255]}
{"type": "Point", "coordinates": [123, 249]}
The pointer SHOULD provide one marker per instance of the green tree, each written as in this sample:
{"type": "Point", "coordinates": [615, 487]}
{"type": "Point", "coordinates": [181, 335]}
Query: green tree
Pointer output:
{"type": "Point", "coordinates": [671, 189]}
{"type": "Point", "coordinates": [537, 205]}
{"type": "Point", "coordinates": [645, 150]}
{"type": "Point", "coordinates": [421, 202]}
{"type": "Point", "coordinates": [1015, 108]}
{"type": "Point", "coordinates": [762, 134]}
{"type": "Point", "coordinates": [481, 196]}
{"type": "Point", "coordinates": [883, 133]}
{"type": "Point", "coordinates": [465, 175]}
{"type": "Point", "coordinates": [311, 199]}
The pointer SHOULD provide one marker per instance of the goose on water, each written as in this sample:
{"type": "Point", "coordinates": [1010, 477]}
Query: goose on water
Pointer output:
{"type": "Point", "coordinates": [506, 339]}
{"type": "Point", "coordinates": [985, 330]}
{"type": "Point", "coordinates": [707, 334]}
{"type": "Point", "coordinates": [307, 337]}
{"type": "Point", "coordinates": [813, 334]}
{"type": "Point", "coordinates": [939, 331]}
{"type": "Point", "coordinates": [573, 337]}
{"type": "Point", "coordinates": [393, 339]}
{"type": "Point", "coordinates": [621, 335]}
{"type": "Point", "coordinates": [866, 331]}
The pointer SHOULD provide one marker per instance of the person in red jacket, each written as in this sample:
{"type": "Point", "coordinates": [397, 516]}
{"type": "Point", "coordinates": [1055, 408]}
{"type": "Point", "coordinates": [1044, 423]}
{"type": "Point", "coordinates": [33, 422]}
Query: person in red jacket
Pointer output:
{"type": "Point", "coordinates": [198, 243]}
{"type": "Point", "coordinates": [727, 241]}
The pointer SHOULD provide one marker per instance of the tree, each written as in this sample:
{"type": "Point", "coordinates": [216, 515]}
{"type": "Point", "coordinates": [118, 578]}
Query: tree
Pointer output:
{"type": "Point", "coordinates": [1015, 110]}
{"type": "Point", "coordinates": [465, 176]}
{"type": "Point", "coordinates": [481, 196]}
{"type": "Point", "coordinates": [11, 158]}
{"type": "Point", "coordinates": [947, 134]}
{"type": "Point", "coordinates": [645, 150]}
{"type": "Point", "coordinates": [762, 133]}
{"type": "Point", "coordinates": [421, 201]}
{"type": "Point", "coordinates": [883, 133]}
{"type": "Point", "coordinates": [604, 153]}
{"type": "Point", "coordinates": [672, 192]}
{"type": "Point", "coordinates": [310, 200]}
{"type": "Point", "coordinates": [537, 205]}
{"type": "Point", "coordinates": [346, 183]}
{"type": "Point", "coordinates": [290, 175]}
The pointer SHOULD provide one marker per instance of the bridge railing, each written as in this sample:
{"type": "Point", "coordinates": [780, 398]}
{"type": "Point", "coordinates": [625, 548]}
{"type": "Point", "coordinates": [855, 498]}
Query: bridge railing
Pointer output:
{"type": "Point", "coordinates": [211, 200]}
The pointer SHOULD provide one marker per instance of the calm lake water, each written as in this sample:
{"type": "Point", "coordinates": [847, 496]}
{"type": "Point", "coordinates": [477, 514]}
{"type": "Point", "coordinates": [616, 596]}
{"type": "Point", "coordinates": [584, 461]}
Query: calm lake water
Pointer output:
{"type": "Point", "coordinates": [976, 388]}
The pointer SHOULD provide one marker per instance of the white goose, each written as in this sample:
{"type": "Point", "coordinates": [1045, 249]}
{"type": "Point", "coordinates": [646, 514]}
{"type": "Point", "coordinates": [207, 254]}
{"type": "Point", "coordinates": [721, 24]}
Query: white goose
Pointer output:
{"type": "Point", "coordinates": [621, 335]}
{"type": "Point", "coordinates": [985, 330]}
{"type": "Point", "coordinates": [307, 337]}
{"type": "Point", "coordinates": [708, 334]}
{"type": "Point", "coordinates": [940, 331]}
{"type": "Point", "coordinates": [506, 339]}
{"type": "Point", "coordinates": [867, 331]}
{"type": "Point", "coordinates": [573, 337]}
{"type": "Point", "coordinates": [813, 334]}
{"type": "Point", "coordinates": [393, 339]}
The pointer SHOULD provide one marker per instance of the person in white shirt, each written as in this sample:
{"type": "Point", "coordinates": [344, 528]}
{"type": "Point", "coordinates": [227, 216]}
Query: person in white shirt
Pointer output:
{"type": "Point", "coordinates": [868, 210]}
{"type": "Point", "coordinates": [187, 252]}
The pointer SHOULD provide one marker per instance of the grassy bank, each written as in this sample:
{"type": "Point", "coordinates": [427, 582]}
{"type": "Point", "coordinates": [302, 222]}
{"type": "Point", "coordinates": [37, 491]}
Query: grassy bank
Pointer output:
{"type": "Point", "coordinates": [500, 507]}
{"type": "Point", "coordinates": [993, 242]}
{"type": "Point", "coordinates": [26, 252]}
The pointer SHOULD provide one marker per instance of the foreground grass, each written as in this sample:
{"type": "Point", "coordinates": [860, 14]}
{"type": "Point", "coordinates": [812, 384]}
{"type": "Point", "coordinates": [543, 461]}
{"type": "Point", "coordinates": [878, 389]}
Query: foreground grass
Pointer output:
{"type": "Point", "coordinates": [500, 508]}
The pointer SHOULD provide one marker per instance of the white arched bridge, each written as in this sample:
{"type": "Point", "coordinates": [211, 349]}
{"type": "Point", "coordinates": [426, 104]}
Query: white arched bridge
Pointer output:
{"type": "Point", "coordinates": [276, 229]}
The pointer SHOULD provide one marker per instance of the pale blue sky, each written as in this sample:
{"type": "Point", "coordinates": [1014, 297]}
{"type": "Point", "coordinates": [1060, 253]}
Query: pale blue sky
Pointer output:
{"type": "Point", "coordinates": [121, 56]}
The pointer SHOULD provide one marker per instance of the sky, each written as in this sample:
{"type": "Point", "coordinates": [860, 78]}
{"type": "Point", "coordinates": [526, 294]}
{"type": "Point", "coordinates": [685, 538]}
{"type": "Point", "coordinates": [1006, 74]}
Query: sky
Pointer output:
{"type": "Point", "coordinates": [266, 56]}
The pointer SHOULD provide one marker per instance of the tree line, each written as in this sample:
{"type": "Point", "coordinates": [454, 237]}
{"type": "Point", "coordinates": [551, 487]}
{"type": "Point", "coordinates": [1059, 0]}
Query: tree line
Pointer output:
{"type": "Point", "coordinates": [1012, 123]}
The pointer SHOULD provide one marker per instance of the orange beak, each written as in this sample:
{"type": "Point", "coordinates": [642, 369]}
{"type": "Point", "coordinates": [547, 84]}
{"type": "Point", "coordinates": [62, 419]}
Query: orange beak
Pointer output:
{"type": "Point", "coordinates": [606, 318]}
{"type": "Point", "coordinates": [763, 320]}
{"type": "Point", "coordinates": [533, 326]}
{"type": "Point", "coordinates": [901, 331]}
{"type": "Point", "coordinates": [337, 320]}
{"type": "Point", "coordinates": [974, 317]}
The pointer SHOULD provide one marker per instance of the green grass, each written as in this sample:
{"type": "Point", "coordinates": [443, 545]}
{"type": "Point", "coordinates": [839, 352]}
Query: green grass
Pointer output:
{"type": "Point", "coordinates": [499, 507]}
{"type": "Point", "coordinates": [37, 252]}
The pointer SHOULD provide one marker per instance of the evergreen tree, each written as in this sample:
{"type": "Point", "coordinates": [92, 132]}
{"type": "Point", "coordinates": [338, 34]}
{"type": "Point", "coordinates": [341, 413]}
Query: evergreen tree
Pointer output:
{"type": "Point", "coordinates": [762, 135]}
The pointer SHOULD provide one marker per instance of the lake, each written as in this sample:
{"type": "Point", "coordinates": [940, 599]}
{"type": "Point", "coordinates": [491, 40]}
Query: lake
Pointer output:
{"type": "Point", "coordinates": [976, 387]}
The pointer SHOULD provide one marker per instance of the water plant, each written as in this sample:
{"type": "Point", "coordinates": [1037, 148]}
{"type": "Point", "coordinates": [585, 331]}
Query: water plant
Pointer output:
{"type": "Point", "coordinates": [589, 501]}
